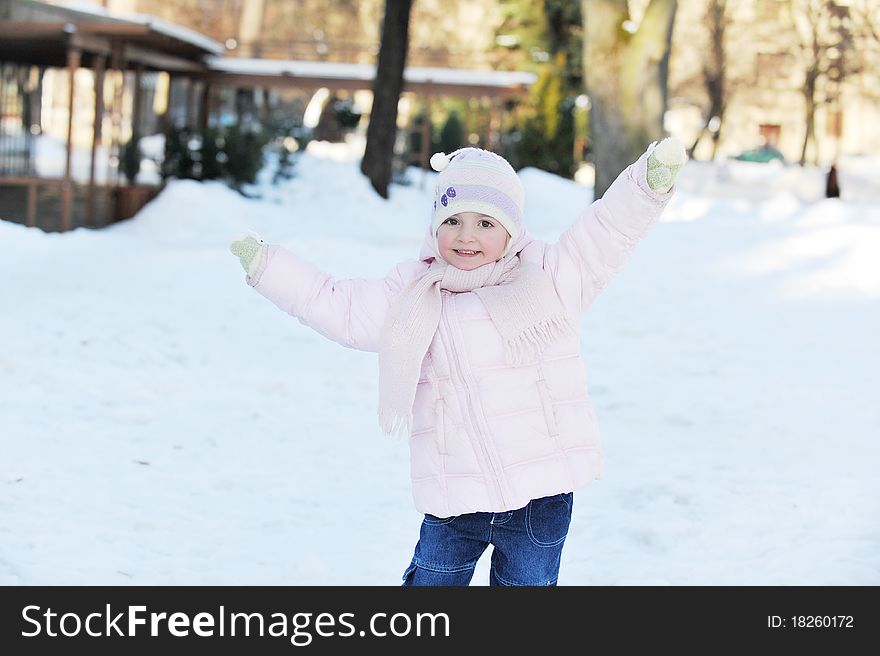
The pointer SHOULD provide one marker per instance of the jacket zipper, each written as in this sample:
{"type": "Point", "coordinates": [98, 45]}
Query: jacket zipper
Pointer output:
{"type": "Point", "coordinates": [469, 405]}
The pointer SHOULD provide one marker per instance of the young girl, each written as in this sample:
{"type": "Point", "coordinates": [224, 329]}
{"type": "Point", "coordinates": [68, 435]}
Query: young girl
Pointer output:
{"type": "Point", "coordinates": [479, 356]}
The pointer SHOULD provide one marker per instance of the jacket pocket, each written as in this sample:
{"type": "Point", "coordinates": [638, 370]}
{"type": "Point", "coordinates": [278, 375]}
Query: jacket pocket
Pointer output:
{"type": "Point", "coordinates": [549, 414]}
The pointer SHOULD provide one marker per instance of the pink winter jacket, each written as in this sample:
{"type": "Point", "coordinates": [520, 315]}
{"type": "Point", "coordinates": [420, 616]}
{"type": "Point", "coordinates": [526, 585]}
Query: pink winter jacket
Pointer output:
{"type": "Point", "coordinates": [486, 436]}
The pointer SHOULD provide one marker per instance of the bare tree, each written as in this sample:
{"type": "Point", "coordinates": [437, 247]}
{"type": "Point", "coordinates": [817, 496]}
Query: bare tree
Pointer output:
{"type": "Point", "coordinates": [714, 74]}
{"type": "Point", "coordinates": [866, 20]}
{"type": "Point", "coordinates": [825, 32]}
{"type": "Point", "coordinates": [382, 129]}
{"type": "Point", "coordinates": [251, 26]}
{"type": "Point", "coordinates": [626, 71]}
{"type": "Point", "coordinates": [868, 14]}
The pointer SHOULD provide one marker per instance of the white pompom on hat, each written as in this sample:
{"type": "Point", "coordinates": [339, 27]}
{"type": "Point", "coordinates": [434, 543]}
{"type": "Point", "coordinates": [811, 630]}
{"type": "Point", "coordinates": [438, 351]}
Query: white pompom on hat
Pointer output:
{"type": "Point", "coordinates": [476, 180]}
{"type": "Point", "coordinates": [439, 161]}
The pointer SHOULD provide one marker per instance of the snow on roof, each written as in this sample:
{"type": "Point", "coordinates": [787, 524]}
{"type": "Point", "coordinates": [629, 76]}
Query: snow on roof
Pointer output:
{"type": "Point", "coordinates": [295, 68]}
{"type": "Point", "coordinates": [154, 23]}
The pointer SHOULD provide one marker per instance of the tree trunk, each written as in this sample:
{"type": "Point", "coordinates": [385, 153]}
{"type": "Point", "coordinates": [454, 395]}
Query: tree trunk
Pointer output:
{"type": "Point", "coordinates": [716, 137]}
{"type": "Point", "coordinates": [251, 27]}
{"type": "Point", "coordinates": [714, 74]}
{"type": "Point", "coordinates": [717, 107]}
{"type": "Point", "coordinates": [382, 129]}
{"type": "Point", "coordinates": [810, 102]}
{"type": "Point", "coordinates": [625, 77]}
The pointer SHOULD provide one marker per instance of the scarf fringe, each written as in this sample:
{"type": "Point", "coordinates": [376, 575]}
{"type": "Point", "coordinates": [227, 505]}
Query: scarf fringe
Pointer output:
{"type": "Point", "coordinates": [395, 424]}
{"type": "Point", "coordinates": [529, 344]}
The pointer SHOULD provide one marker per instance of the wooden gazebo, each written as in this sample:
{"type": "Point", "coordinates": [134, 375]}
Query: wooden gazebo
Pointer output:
{"type": "Point", "coordinates": [36, 36]}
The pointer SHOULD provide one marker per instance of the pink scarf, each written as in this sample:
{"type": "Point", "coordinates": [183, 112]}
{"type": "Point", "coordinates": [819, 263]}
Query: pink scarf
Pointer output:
{"type": "Point", "coordinates": [521, 302]}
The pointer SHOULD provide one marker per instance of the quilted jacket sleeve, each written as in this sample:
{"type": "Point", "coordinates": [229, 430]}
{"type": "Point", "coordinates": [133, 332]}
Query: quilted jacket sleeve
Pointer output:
{"type": "Point", "coordinates": [348, 311]}
{"type": "Point", "coordinates": [597, 245]}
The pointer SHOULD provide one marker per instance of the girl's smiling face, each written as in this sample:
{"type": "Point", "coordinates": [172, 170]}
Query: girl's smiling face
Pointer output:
{"type": "Point", "coordinates": [469, 240]}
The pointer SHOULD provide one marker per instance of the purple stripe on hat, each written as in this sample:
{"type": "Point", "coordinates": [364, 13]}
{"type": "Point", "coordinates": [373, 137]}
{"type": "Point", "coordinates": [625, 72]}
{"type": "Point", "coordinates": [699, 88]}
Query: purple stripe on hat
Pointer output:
{"type": "Point", "coordinates": [487, 195]}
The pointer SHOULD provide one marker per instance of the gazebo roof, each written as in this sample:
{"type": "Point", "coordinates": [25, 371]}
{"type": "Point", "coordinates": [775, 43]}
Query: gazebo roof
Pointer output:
{"type": "Point", "coordinates": [311, 74]}
{"type": "Point", "coordinates": [156, 26]}
{"type": "Point", "coordinates": [34, 32]}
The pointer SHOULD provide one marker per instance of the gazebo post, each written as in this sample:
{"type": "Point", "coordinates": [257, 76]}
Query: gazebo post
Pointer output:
{"type": "Point", "coordinates": [73, 60]}
{"type": "Point", "coordinates": [205, 111]}
{"type": "Point", "coordinates": [32, 205]}
{"type": "Point", "coordinates": [117, 63]}
{"type": "Point", "coordinates": [100, 65]}
{"type": "Point", "coordinates": [190, 102]}
{"type": "Point", "coordinates": [137, 101]}
{"type": "Point", "coordinates": [166, 118]}
{"type": "Point", "coordinates": [3, 153]}
{"type": "Point", "coordinates": [37, 114]}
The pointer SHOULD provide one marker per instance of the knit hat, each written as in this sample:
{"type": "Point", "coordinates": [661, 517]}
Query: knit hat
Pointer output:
{"type": "Point", "coordinates": [476, 180]}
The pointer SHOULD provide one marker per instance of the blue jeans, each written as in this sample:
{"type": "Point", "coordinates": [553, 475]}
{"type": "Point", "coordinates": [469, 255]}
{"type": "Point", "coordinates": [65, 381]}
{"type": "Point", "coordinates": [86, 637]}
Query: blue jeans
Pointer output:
{"type": "Point", "coordinates": [527, 545]}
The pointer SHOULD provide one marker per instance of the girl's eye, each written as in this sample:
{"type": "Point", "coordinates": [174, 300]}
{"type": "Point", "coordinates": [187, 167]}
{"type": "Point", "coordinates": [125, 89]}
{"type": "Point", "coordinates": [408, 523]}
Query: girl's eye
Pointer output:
{"type": "Point", "coordinates": [487, 224]}
{"type": "Point", "coordinates": [451, 221]}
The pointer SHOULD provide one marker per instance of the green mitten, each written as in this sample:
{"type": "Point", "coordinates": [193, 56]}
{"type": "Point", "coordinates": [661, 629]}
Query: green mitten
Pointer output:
{"type": "Point", "coordinates": [248, 247]}
{"type": "Point", "coordinates": [664, 162]}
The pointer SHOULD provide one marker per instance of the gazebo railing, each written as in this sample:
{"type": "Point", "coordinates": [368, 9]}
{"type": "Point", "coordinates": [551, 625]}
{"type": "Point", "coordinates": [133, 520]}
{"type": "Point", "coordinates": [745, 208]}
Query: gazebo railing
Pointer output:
{"type": "Point", "coordinates": [16, 119]}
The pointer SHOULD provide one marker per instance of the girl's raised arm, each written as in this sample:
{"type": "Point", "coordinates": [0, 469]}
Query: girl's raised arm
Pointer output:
{"type": "Point", "coordinates": [597, 245]}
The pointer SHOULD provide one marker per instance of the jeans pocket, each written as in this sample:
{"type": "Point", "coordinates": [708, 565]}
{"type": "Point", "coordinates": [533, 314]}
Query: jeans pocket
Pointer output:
{"type": "Point", "coordinates": [433, 520]}
{"type": "Point", "coordinates": [548, 519]}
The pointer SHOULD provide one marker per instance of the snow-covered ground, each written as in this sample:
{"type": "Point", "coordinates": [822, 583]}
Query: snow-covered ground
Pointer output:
{"type": "Point", "coordinates": [162, 423]}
